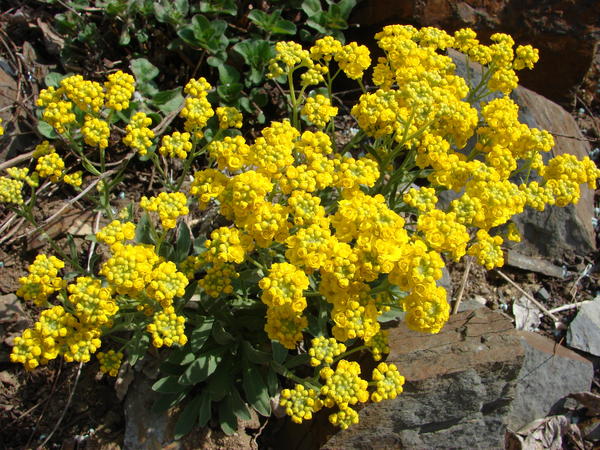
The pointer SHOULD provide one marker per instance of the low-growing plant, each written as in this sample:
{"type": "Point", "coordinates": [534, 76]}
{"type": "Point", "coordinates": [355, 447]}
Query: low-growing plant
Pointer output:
{"type": "Point", "coordinates": [236, 40]}
{"type": "Point", "coordinates": [317, 241]}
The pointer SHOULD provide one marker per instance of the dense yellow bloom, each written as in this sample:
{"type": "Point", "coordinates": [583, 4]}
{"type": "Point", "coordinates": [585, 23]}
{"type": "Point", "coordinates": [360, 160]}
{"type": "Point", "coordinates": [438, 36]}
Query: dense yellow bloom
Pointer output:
{"type": "Point", "coordinates": [318, 110]}
{"type": "Point", "coordinates": [417, 266]}
{"type": "Point", "coordinates": [227, 245]}
{"type": "Point", "coordinates": [42, 280]}
{"type": "Point", "coordinates": [196, 111]}
{"type": "Point", "coordinates": [10, 191]}
{"type": "Point", "coordinates": [129, 269]}
{"type": "Point", "coordinates": [167, 328]}
{"type": "Point", "coordinates": [197, 88]}
{"type": "Point", "coordinates": [426, 309]}
{"type": "Point", "coordinates": [389, 382]}
{"type": "Point", "coordinates": [354, 320]}
{"type": "Point", "coordinates": [74, 178]}
{"type": "Point", "coordinates": [344, 418]}
{"type": "Point", "coordinates": [116, 231]}
{"type": "Point", "coordinates": [87, 95]}
{"type": "Point", "coordinates": [218, 279]}
{"type": "Point", "coordinates": [231, 153]}
{"type": "Point", "coordinates": [444, 233]}
{"type": "Point", "coordinates": [207, 184]}
{"type": "Point", "coordinates": [309, 247]}
{"type": "Point", "coordinates": [243, 194]}
{"type": "Point", "coordinates": [423, 198]}
{"type": "Point", "coordinates": [306, 209]}
{"type": "Point", "coordinates": [81, 344]}
{"type": "Point", "coordinates": [50, 166]}
{"type": "Point", "coordinates": [267, 223]}
{"type": "Point", "coordinates": [488, 251]}
{"type": "Point", "coordinates": [166, 283]}
{"type": "Point", "coordinates": [285, 325]}
{"type": "Point", "coordinates": [344, 385]}
{"type": "Point", "coordinates": [289, 54]}
{"type": "Point", "coordinates": [325, 48]}
{"type": "Point", "coordinates": [229, 117]}
{"type": "Point", "coordinates": [139, 136]}
{"type": "Point", "coordinates": [176, 145]}
{"type": "Point", "coordinates": [353, 59]}
{"type": "Point", "coordinates": [95, 132]}
{"type": "Point", "coordinates": [169, 207]}
{"type": "Point", "coordinates": [378, 344]}
{"type": "Point", "coordinates": [92, 303]}
{"type": "Point", "coordinates": [272, 151]}
{"type": "Point", "coordinates": [512, 233]}
{"type": "Point", "coordinates": [284, 285]}
{"type": "Point", "coordinates": [119, 89]}
{"type": "Point", "coordinates": [110, 362]}
{"type": "Point", "coordinates": [31, 349]}
{"type": "Point", "coordinates": [323, 350]}
{"type": "Point", "coordinates": [300, 403]}
{"type": "Point", "coordinates": [527, 56]}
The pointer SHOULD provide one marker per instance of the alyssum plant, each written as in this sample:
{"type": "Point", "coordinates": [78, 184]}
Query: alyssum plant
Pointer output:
{"type": "Point", "coordinates": [315, 242]}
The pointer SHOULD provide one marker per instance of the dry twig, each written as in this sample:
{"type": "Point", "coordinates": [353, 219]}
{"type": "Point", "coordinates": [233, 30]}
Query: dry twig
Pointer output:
{"type": "Point", "coordinates": [529, 297]}
{"type": "Point", "coordinates": [463, 284]}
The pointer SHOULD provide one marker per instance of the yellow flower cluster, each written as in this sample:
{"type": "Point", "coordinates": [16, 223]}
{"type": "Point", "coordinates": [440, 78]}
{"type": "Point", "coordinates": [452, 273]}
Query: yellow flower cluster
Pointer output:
{"type": "Point", "coordinates": [388, 382]}
{"type": "Point", "coordinates": [50, 166]}
{"type": "Point", "coordinates": [95, 132]}
{"type": "Point", "coordinates": [42, 280]}
{"type": "Point", "coordinates": [323, 350]}
{"type": "Point", "coordinates": [169, 207]}
{"type": "Point", "coordinates": [229, 117]}
{"type": "Point", "coordinates": [166, 283]}
{"type": "Point", "coordinates": [110, 362]}
{"type": "Point", "coordinates": [230, 154]}
{"type": "Point", "coordinates": [167, 328]}
{"type": "Point", "coordinates": [218, 279]}
{"type": "Point", "coordinates": [318, 110]}
{"type": "Point", "coordinates": [176, 145]}
{"type": "Point", "coordinates": [10, 191]}
{"type": "Point", "coordinates": [86, 95]}
{"type": "Point", "coordinates": [300, 403]}
{"type": "Point", "coordinates": [139, 136]}
{"type": "Point", "coordinates": [92, 303]}
{"type": "Point", "coordinates": [116, 231]}
{"type": "Point", "coordinates": [119, 87]}
{"type": "Point", "coordinates": [197, 109]}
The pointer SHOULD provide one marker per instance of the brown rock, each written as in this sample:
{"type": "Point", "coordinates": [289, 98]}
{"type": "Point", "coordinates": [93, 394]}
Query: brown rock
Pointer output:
{"type": "Point", "coordinates": [459, 386]}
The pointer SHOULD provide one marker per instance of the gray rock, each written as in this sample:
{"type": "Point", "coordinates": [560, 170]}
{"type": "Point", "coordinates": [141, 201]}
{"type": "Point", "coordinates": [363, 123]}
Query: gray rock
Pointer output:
{"type": "Point", "coordinates": [532, 264]}
{"type": "Point", "coordinates": [459, 386]}
{"type": "Point", "coordinates": [584, 331]}
{"type": "Point", "coordinates": [550, 372]}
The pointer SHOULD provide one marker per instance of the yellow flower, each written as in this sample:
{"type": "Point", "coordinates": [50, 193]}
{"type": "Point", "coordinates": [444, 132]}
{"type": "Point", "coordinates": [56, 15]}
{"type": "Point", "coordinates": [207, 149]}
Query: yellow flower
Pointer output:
{"type": "Point", "coordinates": [318, 110]}
{"type": "Point", "coordinates": [169, 207]}
{"type": "Point", "coordinates": [176, 145]}
{"type": "Point", "coordinates": [110, 362]}
{"type": "Point", "coordinates": [167, 328]}
{"type": "Point", "coordinates": [119, 89]}
{"type": "Point", "coordinates": [300, 403]}
{"type": "Point", "coordinates": [229, 117]}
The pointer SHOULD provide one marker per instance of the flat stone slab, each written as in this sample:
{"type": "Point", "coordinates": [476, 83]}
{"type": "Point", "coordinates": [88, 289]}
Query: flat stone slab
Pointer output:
{"type": "Point", "coordinates": [550, 373]}
{"type": "Point", "coordinates": [584, 332]}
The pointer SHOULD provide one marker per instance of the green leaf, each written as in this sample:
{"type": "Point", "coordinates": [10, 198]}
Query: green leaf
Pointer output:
{"type": "Point", "coordinates": [167, 385]}
{"type": "Point", "coordinates": [166, 401]}
{"type": "Point", "coordinates": [202, 367]}
{"type": "Point", "coordinates": [142, 230]}
{"type": "Point", "coordinates": [227, 418]}
{"type": "Point", "coordinates": [168, 101]}
{"type": "Point", "coordinates": [272, 383]}
{"type": "Point", "coordinates": [53, 79]}
{"type": "Point", "coordinates": [221, 382]}
{"type": "Point", "coordinates": [272, 23]}
{"type": "Point", "coordinates": [346, 7]}
{"type": "Point", "coordinates": [73, 253]}
{"type": "Point", "coordinates": [297, 360]}
{"type": "Point", "coordinates": [221, 336]}
{"type": "Point", "coordinates": [204, 409]}
{"type": "Point", "coordinates": [238, 405]}
{"type": "Point", "coordinates": [219, 7]}
{"type": "Point", "coordinates": [182, 7]}
{"type": "Point", "coordinates": [256, 390]}
{"type": "Point", "coordinates": [139, 344]}
{"type": "Point", "coordinates": [183, 243]}
{"type": "Point", "coordinates": [124, 37]}
{"type": "Point", "coordinates": [143, 70]}
{"type": "Point", "coordinates": [229, 92]}
{"type": "Point", "coordinates": [187, 418]}
{"type": "Point", "coordinates": [279, 352]}
{"type": "Point", "coordinates": [201, 334]}
{"type": "Point", "coordinates": [254, 355]}
{"type": "Point", "coordinates": [311, 7]}
{"type": "Point", "coordinates": [228, 74]}
{"type": "Point", "coordinates": [46, 130]}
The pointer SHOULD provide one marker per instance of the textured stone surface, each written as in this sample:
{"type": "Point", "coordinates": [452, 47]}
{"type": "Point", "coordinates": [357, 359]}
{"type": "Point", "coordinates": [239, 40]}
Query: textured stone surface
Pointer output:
{"type": "Point", "coordinates": [459, 387]}
{"type": "Point", "coordinates": [584, 331]}
{"type": "Point", "coordinates": [550, 372]}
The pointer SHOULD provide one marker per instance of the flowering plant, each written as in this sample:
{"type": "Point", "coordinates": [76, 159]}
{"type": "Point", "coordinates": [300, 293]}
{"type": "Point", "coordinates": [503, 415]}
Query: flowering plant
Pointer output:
{"type": "Point", "coordinates": [316, 241]}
